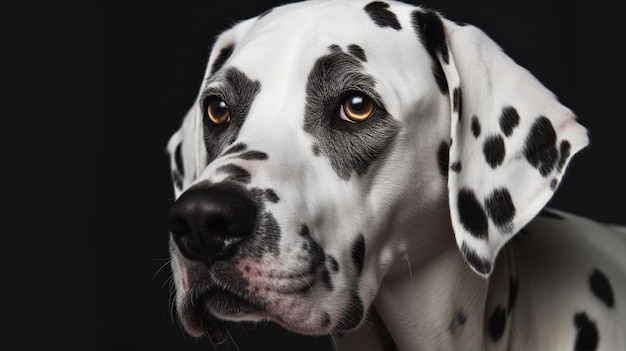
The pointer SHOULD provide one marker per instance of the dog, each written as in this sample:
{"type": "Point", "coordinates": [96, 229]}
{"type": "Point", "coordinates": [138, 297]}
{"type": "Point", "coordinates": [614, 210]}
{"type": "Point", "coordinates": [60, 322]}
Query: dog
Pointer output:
{"type": "Point", "coordinates": [375, 171]}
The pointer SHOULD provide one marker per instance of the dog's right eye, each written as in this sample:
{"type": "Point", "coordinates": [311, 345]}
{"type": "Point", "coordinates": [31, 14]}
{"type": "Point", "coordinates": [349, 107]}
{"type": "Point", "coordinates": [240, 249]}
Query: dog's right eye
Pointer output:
{"type": "Point", "coordinates": [217, 110]}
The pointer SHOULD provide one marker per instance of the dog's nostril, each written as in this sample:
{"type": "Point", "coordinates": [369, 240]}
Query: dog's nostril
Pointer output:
{"type": "Point", "coordinates": [207, 223]}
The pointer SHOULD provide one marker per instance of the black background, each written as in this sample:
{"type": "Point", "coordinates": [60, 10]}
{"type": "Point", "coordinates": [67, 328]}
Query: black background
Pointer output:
{"type": "Point", "coordinates": [92, 90]}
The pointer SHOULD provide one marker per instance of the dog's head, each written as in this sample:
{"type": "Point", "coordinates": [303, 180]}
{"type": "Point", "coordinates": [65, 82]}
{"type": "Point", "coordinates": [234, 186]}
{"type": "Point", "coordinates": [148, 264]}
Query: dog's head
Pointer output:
{"type": "Point", "coordinates": [326, 137]}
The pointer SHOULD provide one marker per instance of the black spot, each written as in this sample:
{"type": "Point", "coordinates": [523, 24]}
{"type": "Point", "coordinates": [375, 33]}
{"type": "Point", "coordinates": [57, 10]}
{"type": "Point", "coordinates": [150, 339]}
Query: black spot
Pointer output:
{"type": "Point", "coordinates": [334, 265]}
{"type": "Point", "coordinates": [564, 154]}
{"type": "Point", "coordinates": [500, 208]}
{"type": "Point", "coordinates": [178, 159]}
{"type": "Point", "coordinates": [471, 214]}
{"type": "Point", "coordinates": [304, 231]}
{"type": "Point", "coordinates": [429, 28]}
{"type": "Point", "coordinates": [222, 58]}
{"type": "Point", "coordinates": [334, 48]}
{"type": "Point", "coordinates": [254, 155]}
{"type": "Point", "coordinates": [235, 148]}
{"type": "Point", "coordinates": [601, 288]}
{"type": "Point", "coordinates": [239, 91]}
{"type": "Point", "coordinates": [271, 196]}
{"type": "Point", "coordinates": [457, 321]}
{"type": "Point", "coordinates": [586, 333]}
{"type": "Point", "coordinates": [353, 313]}
{"type": "Point", "coordinates": [549, 214]}
{"type": "Point", "coordinates": [235, 173]}
{"type": "Point", "coordinates": [456, 166]}
{"type": "Point", "coordinates": [480, 264]}
{"type": "Point", "coordinates": [379, 13]}
{"type": "Point", "coordinates": [316, 149]}
{"type": "Point", "coordinates": [443, 155]}
{"type": "Point", "coordinates": [325, 320]}
{"type": "Point", "coordinates": [494, 151]}
{"type": "Point", "coordinates": [497, 323]}
{"type": "Point", "coordinates": [509, 120]}
{"type": "Point", "coordinates": [540, 150]}
{"type": "Point", "coordinates": [357, 52]}
{"type": "Point", "coordinates": [269, 233]}
{"type": "Point", "coordinates": [513, 287]}
{"type": "Point", "coordinates": [358, 253]}
{"type": "Point", "coordinates": [326, 280]}
{"type": "Point", "coordinates": [475, 126]}
{"type": "Point", "coordinates": [553, 184]}
{"type": "Point", "coordinates": [350, 148]}
{"type": "Point", "coordinates": [457, 101]}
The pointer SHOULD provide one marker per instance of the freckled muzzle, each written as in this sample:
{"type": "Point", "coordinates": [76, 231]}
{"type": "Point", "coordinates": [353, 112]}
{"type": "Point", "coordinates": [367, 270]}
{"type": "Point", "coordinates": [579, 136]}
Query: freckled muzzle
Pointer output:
{"type": "Point", "coordinates": [209, 222]}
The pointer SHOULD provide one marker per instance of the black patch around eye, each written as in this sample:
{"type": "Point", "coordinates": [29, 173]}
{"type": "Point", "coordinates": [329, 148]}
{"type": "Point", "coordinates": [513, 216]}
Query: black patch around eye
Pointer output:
{"type": "Point", "coordinates": [497, 323]}
{"type": "Point", "coordinates": [540, 149]}
{"type": "Point", "coordinates": [379, 13]}
{"type": "Point", "coordinates": [471, 214]}
{"type": "Point", "coordinates": [234, 149]}
{"type": "Point", "coordinates": [239, 92]}
{"type": "Point", "coordinates": [254, 155]}
{"type": "Point", "coordinates": [513, 287]}
{"type": "Point", "coordinates": [565, 151]}
{"type": "Point", "coordinates": [494, 151]}
{"type": "Point", "coordinates": [586, 333]}
{"type": "Point", "coordinates": [475, 126]}
{"type": "Point", "coordinates": [443, 158]}
{"type": "Point", "coordinates": [480, 264]}
{"type": "Point", "coordinates": [357, 51]}
{"type": "Point", "coordinates": [358, 253]}
{"type": "Point", "coordinates": [350, 148]}
{"type": "Point", "coordinates": [235, 173]}
{"type": "Point", "coordinates": [178, 158]}
{"type": "Point", "coordinates": [458, 320]}
{"type": "Point", "coordinates": [500, 208]}
{"type": "Point", "coordinates": [457, 101]}
{"type": "Point", "coordinates": [509, 120]}
{"type": "Point", "coordinates": [429, 29]}
{"type": "Point", "coordinates": [223, 56]}
{"type": "Point", "coordinates": [601, 288]}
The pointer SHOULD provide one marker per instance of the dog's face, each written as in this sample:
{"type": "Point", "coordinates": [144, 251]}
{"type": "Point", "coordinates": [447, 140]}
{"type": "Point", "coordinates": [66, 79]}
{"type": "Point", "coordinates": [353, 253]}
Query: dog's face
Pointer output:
{"type": "Point", "coordinates": [318, 148]}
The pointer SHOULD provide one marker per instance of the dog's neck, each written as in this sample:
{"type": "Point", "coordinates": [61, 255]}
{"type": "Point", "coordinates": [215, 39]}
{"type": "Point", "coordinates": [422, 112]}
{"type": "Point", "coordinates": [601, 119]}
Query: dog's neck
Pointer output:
{"type": "Point", "coordinates": [427, 297]}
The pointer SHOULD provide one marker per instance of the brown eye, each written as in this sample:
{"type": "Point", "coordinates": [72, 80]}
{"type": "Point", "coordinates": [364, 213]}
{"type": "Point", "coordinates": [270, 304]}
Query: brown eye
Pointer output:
{"type": "Point", "coordinates": [357, 108]}
{"type": "Point", "coordinates": [218, 111]}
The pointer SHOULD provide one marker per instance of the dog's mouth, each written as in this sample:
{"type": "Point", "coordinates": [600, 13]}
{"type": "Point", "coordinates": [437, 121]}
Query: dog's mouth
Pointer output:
{"type": "Point", "coordinates": [204, 312]}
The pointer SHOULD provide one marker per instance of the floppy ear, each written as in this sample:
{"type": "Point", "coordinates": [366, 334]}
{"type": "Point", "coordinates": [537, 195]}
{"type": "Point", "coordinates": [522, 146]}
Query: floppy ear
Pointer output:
{"type": "Point", "coordinates": [186, 148]}
{"type": "Point", "coordinates": [511, 139]}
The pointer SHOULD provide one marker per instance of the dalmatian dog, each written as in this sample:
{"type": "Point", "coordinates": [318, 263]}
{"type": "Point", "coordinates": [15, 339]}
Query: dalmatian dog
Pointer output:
{"type": "Point", "coordinates": [374, 171]}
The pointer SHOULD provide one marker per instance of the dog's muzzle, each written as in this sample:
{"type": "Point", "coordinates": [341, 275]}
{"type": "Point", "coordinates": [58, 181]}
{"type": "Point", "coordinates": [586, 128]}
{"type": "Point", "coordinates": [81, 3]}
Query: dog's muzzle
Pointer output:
{"type": "Point", "coordinates": [208, 223]}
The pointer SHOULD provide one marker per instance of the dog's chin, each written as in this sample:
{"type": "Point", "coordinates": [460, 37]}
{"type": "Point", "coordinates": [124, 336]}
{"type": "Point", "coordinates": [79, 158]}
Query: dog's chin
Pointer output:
{"type": "Point", "coordinates": [209, 313]}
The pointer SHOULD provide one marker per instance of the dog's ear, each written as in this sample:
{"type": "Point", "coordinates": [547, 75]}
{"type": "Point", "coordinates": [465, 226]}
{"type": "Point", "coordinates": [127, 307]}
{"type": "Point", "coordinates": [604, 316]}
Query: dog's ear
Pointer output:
{"type": "Point", "coordinates": [186, 147]}
{"type": "Point", "coordinates": [510, 138]}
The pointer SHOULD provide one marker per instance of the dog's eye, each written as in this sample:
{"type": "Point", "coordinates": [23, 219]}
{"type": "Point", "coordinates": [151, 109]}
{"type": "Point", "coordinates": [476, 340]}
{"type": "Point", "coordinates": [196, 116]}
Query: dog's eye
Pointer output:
{"type": "Point", "coordinates": [357, 107]}
{"type": "Point", "coordinates": [217, 111]}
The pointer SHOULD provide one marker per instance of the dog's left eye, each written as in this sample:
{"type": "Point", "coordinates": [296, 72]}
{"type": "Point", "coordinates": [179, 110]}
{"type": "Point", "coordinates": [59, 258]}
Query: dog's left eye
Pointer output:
{"type": "Point", "coordinates": [357, 107]}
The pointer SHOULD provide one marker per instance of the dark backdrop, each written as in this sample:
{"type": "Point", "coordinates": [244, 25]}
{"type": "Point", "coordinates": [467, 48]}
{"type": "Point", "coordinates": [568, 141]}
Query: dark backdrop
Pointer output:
{"type": "Point", "coordinates": [91, 91]}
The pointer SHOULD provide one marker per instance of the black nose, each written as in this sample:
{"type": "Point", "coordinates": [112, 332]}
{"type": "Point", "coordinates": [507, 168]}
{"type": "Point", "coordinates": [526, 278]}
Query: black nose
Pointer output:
{"type": "Point", "coordinates": [209, 222]}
